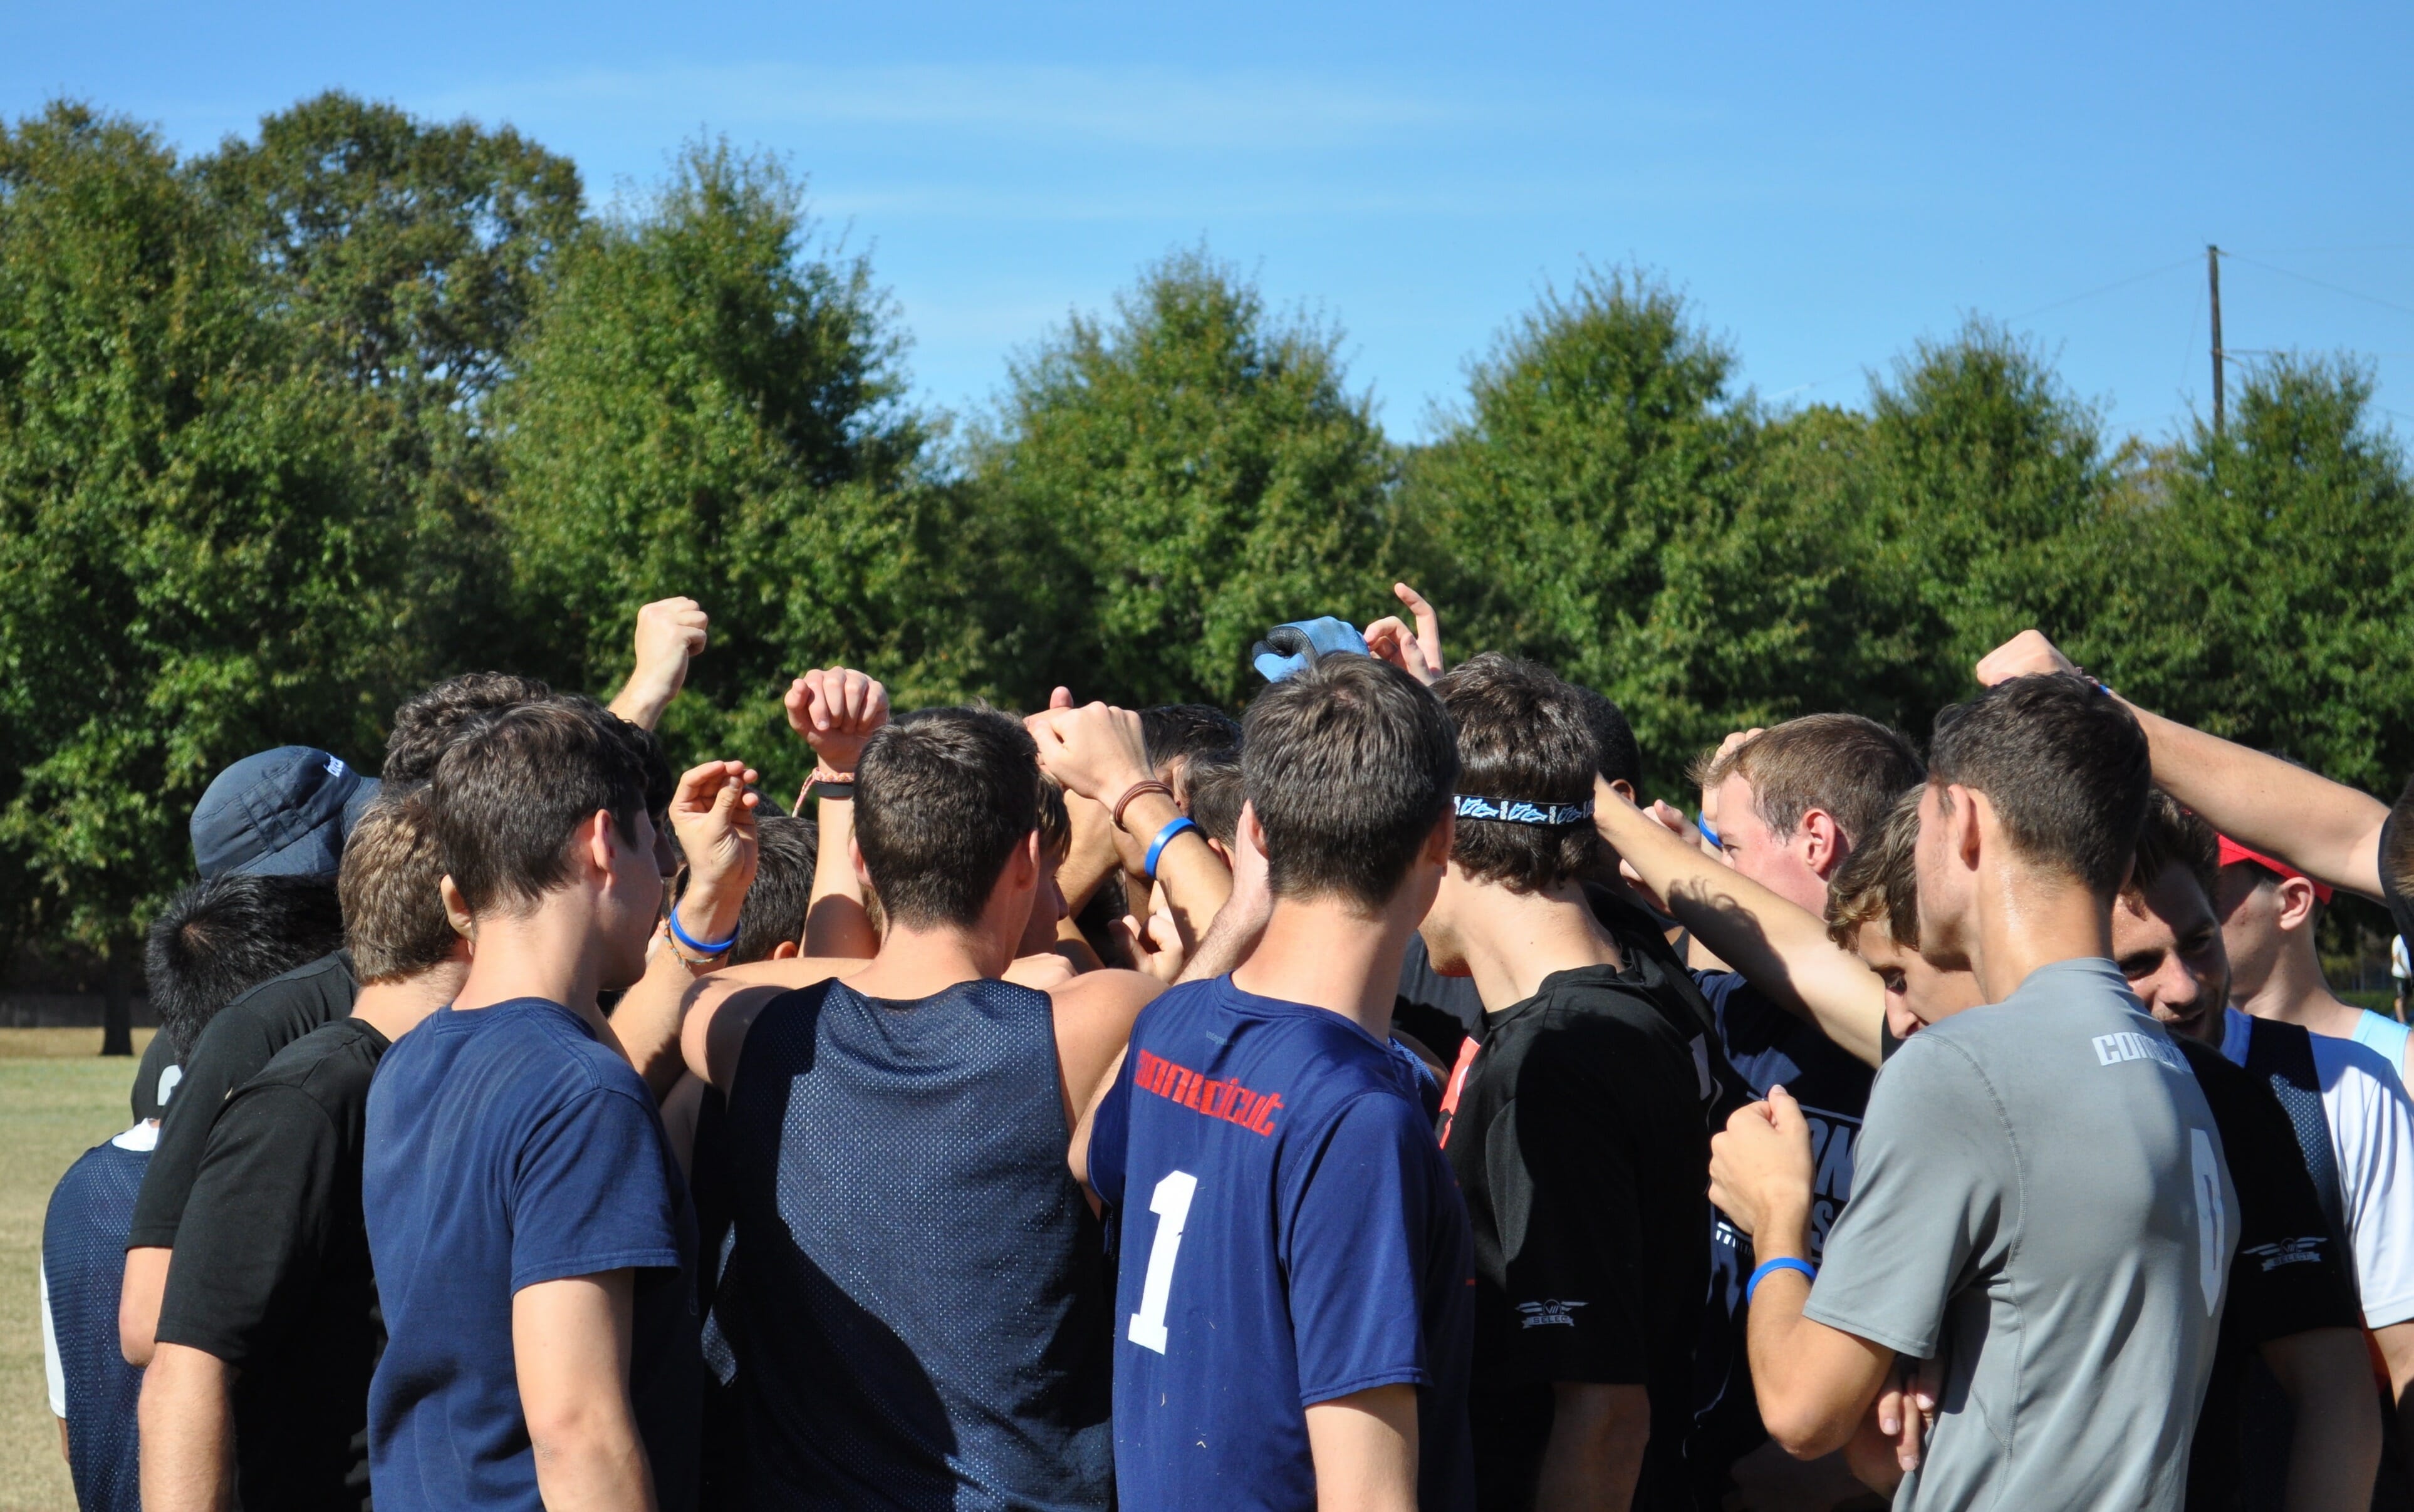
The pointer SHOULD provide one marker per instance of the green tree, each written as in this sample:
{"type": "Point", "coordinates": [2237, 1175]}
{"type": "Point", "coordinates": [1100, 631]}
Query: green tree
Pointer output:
{"type": "Point", "coordinates": [404, 256]}
{"type": "Point", "coordinates": [194, 568]}
{"type": "Point", "coordinates": [1596, 508]}
{"type": "Point", "coordinates": [707, 403]}
{"type": "Point", "coordinates": [1173, 481]}
{"type": "Point", "coordinates": [2274, 573]}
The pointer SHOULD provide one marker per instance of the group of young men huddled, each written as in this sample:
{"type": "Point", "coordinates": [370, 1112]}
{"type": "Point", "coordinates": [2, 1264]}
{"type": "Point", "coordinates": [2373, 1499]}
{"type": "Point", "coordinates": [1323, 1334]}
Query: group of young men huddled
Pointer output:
{"type": "Point", "coordinates": [1365, 1104]}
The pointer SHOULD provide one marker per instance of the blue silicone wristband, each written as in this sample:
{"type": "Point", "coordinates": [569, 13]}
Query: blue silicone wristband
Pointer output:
{"type": "Point", "coordinates": [1156, 847]}
{"type": "Point", "coordinates": [1810, 1272]}
{"type": "Point", "coordinates": [697, 945]}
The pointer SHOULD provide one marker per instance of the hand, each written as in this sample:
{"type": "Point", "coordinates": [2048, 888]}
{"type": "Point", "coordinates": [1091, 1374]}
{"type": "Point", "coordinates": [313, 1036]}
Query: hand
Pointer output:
{"type": "Point", "coordinates": [1761, 1169]}
{"type": "Point", "coordinates": [671, 632]}
{"type": "Point", "coordinates": [2027, 653]}
{"type": "Point", "coordinates": [1906, 1409]}
{"type": "Point", "coordinates": [1156, 946]}
{"type": "Point", "coordinates": [1093, 854]}
{"type": "Point", "coordinates": [836, 709]}
{"type": "Point", "coordinates": [1711, 795]}
{"type": "Point", "coordinates": [1095, 751]}
{"type": "Point", "coordinates": [713, 814]}
{"type": "Point", "coordinates": [1418, 655]}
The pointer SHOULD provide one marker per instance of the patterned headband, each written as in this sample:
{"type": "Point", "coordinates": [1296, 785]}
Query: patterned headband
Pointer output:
{"type": "Point", "coordinates": [1520, 810]}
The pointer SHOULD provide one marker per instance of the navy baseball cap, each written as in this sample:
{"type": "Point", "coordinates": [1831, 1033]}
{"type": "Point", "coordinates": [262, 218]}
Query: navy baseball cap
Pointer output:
{"type": "Point", "coordinates": [1291, 649]}
{"type": "Point", "coordinates": [281, 813]}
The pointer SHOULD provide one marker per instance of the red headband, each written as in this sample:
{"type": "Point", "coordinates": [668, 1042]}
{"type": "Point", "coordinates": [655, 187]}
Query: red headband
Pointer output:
{"type": "Point", "coordinates": [2233, 853]}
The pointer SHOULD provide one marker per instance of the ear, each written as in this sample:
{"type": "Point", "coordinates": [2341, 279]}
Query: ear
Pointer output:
{"type": "Point", "coordinates": [1023, 866]}
{"type": "Point", "coordinates": [1822, 841]}
{"type": "Point", "coordinates": [457, 908]}
{"type": "Point", "coordinates": [1253, 834]}
{"type": "Point", "coordinates": [596, 836]}
{"type": "Point", "coordinates": [862, 873]}
{"type": "Point", "coordinates": [786, 950]}
{"type": "Point", "coordinates": [1438, 844]}
{"type": "Point", "coordinates": [1223, 851]}
{"type": "Point", "coordinates": [1626, 790]}
{"type": "Point", "coordinates": [2295, 899]}
{"type": "Point", "coordinates": [1963, 824]}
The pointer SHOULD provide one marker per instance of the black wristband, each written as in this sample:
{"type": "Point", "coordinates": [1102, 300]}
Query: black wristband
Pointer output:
{"type": "Point", "coordinates": [844, 792]}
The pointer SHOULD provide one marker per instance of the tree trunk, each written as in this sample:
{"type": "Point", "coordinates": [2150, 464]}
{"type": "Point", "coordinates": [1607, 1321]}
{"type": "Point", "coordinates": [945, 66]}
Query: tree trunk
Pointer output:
{"type": "Point", "coordinates": [117, 1000]}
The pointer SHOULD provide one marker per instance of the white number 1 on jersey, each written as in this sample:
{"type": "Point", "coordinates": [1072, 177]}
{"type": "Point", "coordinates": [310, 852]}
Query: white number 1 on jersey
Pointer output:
{"type": "Point", "coordinates": [1171, 1202]}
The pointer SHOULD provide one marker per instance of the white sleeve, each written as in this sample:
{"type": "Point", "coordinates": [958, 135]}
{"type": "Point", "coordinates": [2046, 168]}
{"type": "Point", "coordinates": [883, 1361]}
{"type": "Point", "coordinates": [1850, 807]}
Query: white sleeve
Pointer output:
{"type": "Point", "coordinates": [2372, 1129]}
{"type": "Point", "coordinates": [55, 1371]}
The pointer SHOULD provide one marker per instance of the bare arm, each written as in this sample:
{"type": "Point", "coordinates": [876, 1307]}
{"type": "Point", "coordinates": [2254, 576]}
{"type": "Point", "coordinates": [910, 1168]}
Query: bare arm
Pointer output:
{"type": "Point", "coordinates": [2325, 829]}
{"type": "Point", "coordinates": [1364, 1448]}
{"type": "Point", "coordinates": [1594, 1456]}
{"type": "Point", "coordinates": [2336, 1448]}
{"type": "Point", "coordinates": [721, 1008]}
{"type": "Point", "coordinates": [671, 632]}
{"type": "Point", "coordinates": [570, 1348]}
{"type": "Point", "coordinates": [1781, 948]}
{"type": "Point", "coordinates": [1094, 1022]}
{"type": "Point", "coordinates": [2396, 1343]}
{"type": "Point", "coordinates": [138, 1301]}
{"type": "Point", "coordinates": [187, 1432]}
{"type": "Point", "coordinates": [836, 710]}
{"type": "Point", "coordinates": [713, 814]}
{"type": "Point", "coordinates": [1242, 920]}
{"type": "Point", "coordinates": [1097, 754]}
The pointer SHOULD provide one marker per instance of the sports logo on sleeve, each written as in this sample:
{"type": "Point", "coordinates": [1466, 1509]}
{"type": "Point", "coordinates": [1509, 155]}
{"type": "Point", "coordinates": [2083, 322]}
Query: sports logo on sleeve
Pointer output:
{"type": "Point", "coordinates": [1552, 1314]}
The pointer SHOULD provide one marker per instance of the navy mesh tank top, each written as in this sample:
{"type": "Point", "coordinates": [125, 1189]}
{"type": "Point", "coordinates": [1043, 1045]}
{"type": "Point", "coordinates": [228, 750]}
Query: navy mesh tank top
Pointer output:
{"type": "Point", "coordinates": [917, 1308]}
{"type": "Point", "coordinates": [84, 1265]}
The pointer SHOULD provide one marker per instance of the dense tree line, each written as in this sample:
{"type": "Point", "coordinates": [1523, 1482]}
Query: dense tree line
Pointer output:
{"type": "Point", "coordinates": [291, 427]}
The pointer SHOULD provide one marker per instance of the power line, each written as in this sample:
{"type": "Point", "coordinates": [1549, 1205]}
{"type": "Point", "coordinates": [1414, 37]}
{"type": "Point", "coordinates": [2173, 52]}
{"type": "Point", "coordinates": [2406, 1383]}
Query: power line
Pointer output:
{"type": "Point", "coordinates": [2134, 278]}
{"type": "Point", "coordinates": [2370, 299]}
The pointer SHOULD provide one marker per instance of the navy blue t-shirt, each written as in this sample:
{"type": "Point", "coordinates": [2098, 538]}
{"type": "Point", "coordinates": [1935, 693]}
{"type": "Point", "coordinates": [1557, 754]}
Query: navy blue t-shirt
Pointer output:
{"type": "Point", "coordinates": [506, 1146]}
{"type": "Point", "coordinates": [84, 1267]}
{"type": "Point", "coordinates": [1289, 1234]}
{"type": "Point", "coordinates": [1768, 1048]}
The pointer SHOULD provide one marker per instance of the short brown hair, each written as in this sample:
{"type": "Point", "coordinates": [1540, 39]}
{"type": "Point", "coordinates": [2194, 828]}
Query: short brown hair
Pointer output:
{"type": "Point", "coordinates": [1522, 734]}
{"type": "Point", "coordinates": [391, 888]}
{"type": "Point", "coordinates": [2173, 837]}
{"type": "Point", "coordinates": [2064, 764]}
{"type": "Point", "coordinates": [1879, 879]}
{"type": "Point", "coordinates": [1350, 765]}
{"type": "Point", "coordinates": [428, 720]}
{"type": "Point", "coordinates": [943, 796]}
{"type": "Point", "coordinates": [510, 792]}
{"type": "Point", "coordinates": [1850, 767]}
{"type": "Point", "coordinates": [1216, 799]}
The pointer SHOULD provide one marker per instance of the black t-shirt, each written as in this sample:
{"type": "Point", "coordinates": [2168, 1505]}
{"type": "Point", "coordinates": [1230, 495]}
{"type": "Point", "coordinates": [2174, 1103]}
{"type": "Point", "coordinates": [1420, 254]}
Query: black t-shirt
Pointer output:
{"type": "Point", "coordinates": [272, 1270]}
{"type": "Point", "coordinates": [2287, 1277]}
{"type": "Point", "coordinates": [1580, 1141]}
{"type": "Point", "coordinates": [243, 1037]}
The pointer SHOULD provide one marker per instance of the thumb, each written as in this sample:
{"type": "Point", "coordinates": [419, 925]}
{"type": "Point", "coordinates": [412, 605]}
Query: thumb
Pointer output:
{"type": "Point", "coordinates": [1784, 1113]}
{"type": "Point", "coordinates": [1061, 699]}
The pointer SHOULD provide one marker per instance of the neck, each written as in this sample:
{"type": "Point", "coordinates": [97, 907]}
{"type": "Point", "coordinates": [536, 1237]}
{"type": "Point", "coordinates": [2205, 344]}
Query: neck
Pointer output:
{"type": "Point", "coordinates": [2296, 992]}
{"type": "Point", "coordinates": [2024, 921]}
{"type": "Point", "coordinates": [1328, 953]}
{"type": "Point", "coordinates": [916, 962]}
{"type": "Point", "coordinates": [394, 1008]}
{"type": "Point", "coordinates": [1512, 942]}
{"type": "Point", "coordinates": [548, 953]}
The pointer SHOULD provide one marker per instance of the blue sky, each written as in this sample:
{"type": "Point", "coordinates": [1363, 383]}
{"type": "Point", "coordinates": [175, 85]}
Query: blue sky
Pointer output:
{"type": "Point", "coordinates": [1827, 183]}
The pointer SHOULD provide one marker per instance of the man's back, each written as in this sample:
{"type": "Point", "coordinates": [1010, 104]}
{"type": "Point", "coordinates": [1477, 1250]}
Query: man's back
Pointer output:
{"type": "Point", "coordinates": [84, 1262]}
{"type": "Point", "coordinates": [917, 1304]}
{"type": "Point", "coordinates": [2041, 1200]}
{"type": "Point", "coordinates": [506, 1148]}
{"type": "Point", "coordinates": [1289, 1235]}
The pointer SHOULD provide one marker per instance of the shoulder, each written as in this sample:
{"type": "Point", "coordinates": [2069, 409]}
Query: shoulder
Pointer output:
{"type": "Point", "coordinates": [1107, 990]}
{"type": "Point", "coordinates": [2356, 1071]}
{"type": "Point", "coordinates": [335, 1059]}
{"type": "Point", "coordinates": [307, 990]}
{"type": "Point", "coordinates": [1945, 1058]}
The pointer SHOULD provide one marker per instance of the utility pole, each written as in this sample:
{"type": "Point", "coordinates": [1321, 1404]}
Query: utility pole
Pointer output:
{"type": "Point", "coordinates": [2212, 276]}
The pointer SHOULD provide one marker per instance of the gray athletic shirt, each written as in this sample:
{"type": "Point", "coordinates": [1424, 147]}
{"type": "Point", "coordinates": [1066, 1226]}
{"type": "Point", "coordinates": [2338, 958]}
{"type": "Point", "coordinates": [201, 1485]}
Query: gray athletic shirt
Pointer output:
{"type": "Point", "coordinates": [2040, 1199]}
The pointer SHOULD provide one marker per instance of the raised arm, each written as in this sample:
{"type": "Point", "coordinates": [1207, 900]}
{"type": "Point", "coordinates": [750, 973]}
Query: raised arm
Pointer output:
{"type": "Point", "coordinates": [1781, 948]}
{"type": "Point", "coordinates": [836, 709]}
{"type": "Point", "coordinates": [713, 814]}
{"type": "Point", "coordinates": [671, 632]}
{"type": "Point", "coordinates": [1097, 754]}
{"type": "Point", "coordinates": [2325, 829]}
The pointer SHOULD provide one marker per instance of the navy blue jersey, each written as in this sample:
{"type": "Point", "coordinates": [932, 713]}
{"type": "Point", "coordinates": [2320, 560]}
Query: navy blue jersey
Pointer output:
{"type": "Point", "coordinates": [506, 1146]}
{"type": "Point", "coordinates": [83, 1265]}
{"type": "Point", "coordinates": [1288, 1234]}
{"type": "Point", "coordinates": [1768, 1048]}
{"type": "Point", "coordinates": [915, 1309]}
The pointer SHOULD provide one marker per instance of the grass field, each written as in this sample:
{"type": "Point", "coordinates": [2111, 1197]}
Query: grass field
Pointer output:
{"type": "Point", "coordinates": [58, 1098]}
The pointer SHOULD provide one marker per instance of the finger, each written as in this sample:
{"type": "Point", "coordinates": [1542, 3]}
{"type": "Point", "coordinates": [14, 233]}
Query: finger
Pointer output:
{"type": "Point", "coordinates": [1428, 623]}
{"type": "Point", "coordinates": [1784, 1113]}
{"type": "Point", "coordinates": [696, 788]}
{"type": "Point", "coordinates": [877, 705]}
{"type": "Point", "coordinates": [1061, 698]}
{"type": "Point", "coordinates": [1890, 1411]}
